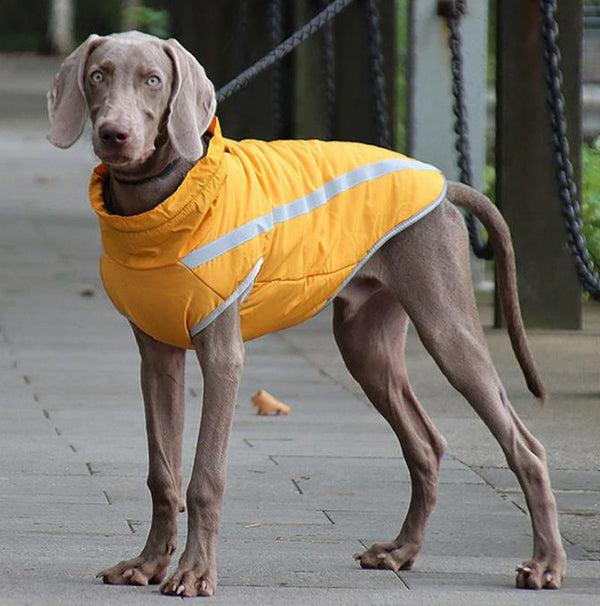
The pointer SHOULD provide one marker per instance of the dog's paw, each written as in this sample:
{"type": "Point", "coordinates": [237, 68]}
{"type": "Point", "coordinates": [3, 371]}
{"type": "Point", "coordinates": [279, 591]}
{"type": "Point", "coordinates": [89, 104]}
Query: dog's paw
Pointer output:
{"type": "Point", "coordinates": [190, 582]}
{"type": "Point", "coordinates": [137, 571]}
{"type": "Point", "coordinates": [546, 573]}
{"type": "Point", "coordinates": [389, 556]}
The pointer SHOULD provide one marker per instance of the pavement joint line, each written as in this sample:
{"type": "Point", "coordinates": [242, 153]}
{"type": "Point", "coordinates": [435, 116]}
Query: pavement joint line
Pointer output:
{"type": "Point", "coordinates": [327, 516]}
{"type": "Point", "coordinates": [343, 457]}
{"type": "Point", "coordinates": [273, 460]}
{"type": "Point", "coordinates": [299, 352]}
{"type": "Point", "coordinates": [572, 491]}
{"type": "Point", "coordinates": [297, 485]}
{"type": "Point", "coordinates": [503, 494]}
{"type": "Point", "coordinates": [107, 497]}
{"type": "Point", "coordinates": [396, 573]}
{"type": "Point", "coordinates": [521, 509]}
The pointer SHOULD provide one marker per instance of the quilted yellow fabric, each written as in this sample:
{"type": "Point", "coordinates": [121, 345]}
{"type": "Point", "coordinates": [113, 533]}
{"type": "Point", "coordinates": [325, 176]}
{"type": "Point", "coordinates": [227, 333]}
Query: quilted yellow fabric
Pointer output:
{"type": "Point", "coordinates": [281, 225]}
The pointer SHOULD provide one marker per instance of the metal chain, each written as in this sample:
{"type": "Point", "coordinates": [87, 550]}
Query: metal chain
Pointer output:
{"type": "Point", "coordinates": [571, 208]}
{"type": "Point", "coordinates": [283, 49]}
{"type": "Point", "coordinates": [276, 34]}
{"type": "Point", "coordinates": [242, 29]}
{"type": "Point", "coordinates": [329, 72]}
{"type": "Point", "coordinates": [376, 73]}
{"type": "Point", "coordinates": [453, 11]}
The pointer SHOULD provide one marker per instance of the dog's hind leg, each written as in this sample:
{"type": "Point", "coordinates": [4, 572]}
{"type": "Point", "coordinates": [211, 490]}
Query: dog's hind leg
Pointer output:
{"type": "Point", "coordinates": [370, 330]}
{"type": "Point", "coordinates": [428, 268]}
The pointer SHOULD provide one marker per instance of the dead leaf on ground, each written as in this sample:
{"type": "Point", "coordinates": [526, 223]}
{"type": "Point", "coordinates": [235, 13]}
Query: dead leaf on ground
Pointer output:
{"type": "Point", "coordinates": [266, 404]}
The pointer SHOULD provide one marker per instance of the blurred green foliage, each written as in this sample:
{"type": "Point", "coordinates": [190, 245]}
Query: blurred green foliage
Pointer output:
{"type": "Point", "coordinates": [24, 23]}
{"type": "Point", "coordinates": [402, 23]}
{"type": "Point", "coordinates": [590, 205]}
{"type": "Point", "coordinates": [149, 20]}
{"type": "Point", "coordinates": [590, 198]}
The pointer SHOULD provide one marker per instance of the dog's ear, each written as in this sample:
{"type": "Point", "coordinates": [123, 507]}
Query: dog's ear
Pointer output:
{"type": "Point", "coordinates": [193, 102]}
{"type": "Point", "coordinates": [66, 99]}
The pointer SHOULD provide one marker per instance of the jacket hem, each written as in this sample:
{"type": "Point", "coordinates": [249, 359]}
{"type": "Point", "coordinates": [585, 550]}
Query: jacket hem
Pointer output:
{"type": "Point", "coordinates": [390, 234]}
{"type": "Point", "coordinates": [241, 293]}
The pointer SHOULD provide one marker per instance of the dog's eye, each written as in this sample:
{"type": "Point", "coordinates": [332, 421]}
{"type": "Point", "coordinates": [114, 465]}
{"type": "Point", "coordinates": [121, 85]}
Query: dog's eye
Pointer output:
{"type": "Point", "coordinates": [97, 77]}
{"type": "Point", "coordinates": [153, 80]}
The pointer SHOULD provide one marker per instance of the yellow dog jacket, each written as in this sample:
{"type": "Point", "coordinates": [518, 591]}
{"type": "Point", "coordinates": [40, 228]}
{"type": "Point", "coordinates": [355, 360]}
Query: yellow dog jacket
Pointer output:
{"type": "Point", "coordinates": [281, 226]}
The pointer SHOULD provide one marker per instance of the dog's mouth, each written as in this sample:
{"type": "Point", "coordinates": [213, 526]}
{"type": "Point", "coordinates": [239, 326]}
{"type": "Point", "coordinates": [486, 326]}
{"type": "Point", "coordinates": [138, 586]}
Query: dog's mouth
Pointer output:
{"type": "Point", "coordinates": [122, 157]}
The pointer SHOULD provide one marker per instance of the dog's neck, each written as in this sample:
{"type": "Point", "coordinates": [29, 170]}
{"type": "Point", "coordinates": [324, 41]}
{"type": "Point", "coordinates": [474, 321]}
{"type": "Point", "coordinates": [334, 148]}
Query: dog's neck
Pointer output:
{"type": "Point", "coordinates": [133, 192]}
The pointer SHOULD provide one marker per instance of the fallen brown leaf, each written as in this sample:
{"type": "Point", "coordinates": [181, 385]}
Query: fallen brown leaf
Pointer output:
{"type": "Point", "coordinates": [266, 404]}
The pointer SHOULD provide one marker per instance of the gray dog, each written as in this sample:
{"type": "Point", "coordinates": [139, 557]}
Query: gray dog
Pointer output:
{"type": "Point", "coordinates": [152, 112]}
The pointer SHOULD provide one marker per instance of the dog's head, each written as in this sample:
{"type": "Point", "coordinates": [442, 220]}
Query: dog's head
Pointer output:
{"type": "Point", "coordinates": [139, 91]}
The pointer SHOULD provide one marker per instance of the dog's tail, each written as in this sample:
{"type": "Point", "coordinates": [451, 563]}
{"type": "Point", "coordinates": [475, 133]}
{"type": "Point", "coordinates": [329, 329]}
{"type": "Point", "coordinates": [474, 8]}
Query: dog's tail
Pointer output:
{"type": "Point", "coordinates": [499, 234]}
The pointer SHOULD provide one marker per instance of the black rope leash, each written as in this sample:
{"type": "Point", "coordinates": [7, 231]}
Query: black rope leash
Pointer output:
{"type": "Point", "coordinates": [571, 208]}
{"type": "Point", "coordinates": [283, 49]}
{"type": "Point", "coordinates": [452, 11]}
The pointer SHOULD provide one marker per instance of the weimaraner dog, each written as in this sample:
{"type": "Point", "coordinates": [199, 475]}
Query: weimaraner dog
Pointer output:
{"type": "Point", "coordinates": [150, 103]}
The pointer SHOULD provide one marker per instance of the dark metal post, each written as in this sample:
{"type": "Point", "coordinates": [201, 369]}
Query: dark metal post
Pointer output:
{"type": "Point", "coordinates": [526, 187]}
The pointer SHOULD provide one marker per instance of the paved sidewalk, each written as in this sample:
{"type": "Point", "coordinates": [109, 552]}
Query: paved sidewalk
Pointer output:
{"type": "Point", "coordinates": [306, 491]}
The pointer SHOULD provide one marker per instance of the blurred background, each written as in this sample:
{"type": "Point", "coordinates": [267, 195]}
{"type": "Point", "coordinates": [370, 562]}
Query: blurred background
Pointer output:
{"type": "Point", "coordinates": [384, 80]}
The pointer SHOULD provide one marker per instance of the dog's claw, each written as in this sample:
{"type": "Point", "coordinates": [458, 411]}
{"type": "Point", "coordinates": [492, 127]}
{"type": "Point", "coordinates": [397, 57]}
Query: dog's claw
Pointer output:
{"type": "Point", "coordinates": [180, 590]}
{"type": "Point", "coordinates": [138, 571]}
{"type": "Point", "coordinates": [540, 574]}
{"type": "Point", "coordinates": [389, 555]}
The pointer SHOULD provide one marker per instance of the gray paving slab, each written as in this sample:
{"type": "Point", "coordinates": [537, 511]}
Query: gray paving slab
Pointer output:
{"type": "Point", "coordinates": [305, 491]}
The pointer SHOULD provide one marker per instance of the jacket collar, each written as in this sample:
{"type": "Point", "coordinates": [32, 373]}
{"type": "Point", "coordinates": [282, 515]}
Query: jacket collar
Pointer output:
{"type": "Point", "coordinates": [196, 191]}
{"type": "Point", "coordinates": [161, 235]}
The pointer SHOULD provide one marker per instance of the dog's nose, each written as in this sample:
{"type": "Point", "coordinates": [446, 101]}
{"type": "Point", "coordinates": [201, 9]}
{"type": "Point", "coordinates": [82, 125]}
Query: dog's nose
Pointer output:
{"type": "Point", "coordinates": [113, 133]}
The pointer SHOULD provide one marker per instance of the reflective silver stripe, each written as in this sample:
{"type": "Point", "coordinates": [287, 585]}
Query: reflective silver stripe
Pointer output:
{"type": "Point", "coordinates": [301, 206]}
{"type": "Point", "coordinates": [241, 292]}
{"type": "Point", "coordinates": [386, 237]}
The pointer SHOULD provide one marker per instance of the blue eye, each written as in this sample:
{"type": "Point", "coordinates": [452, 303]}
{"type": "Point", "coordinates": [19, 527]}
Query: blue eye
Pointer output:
{"type": "Point", "coordinates": [153, 80]}
{"type": "Point", "coordinates": [97, 77]}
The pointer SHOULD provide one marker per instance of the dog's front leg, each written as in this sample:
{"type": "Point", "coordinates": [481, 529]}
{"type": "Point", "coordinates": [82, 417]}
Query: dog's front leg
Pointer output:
{"type": "Point", "coordinates": [162, 379]}
{"type": "Point", "coordinates": [220, 351]}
